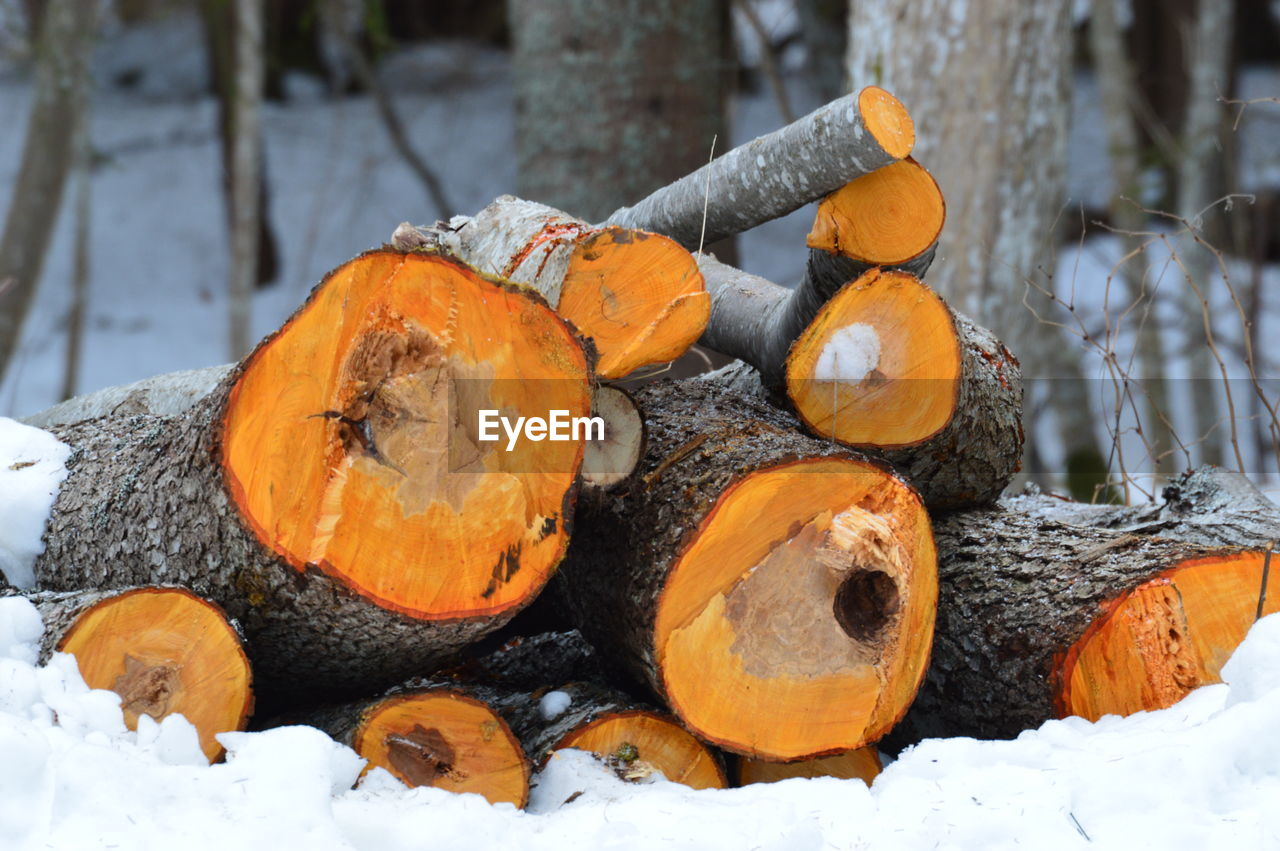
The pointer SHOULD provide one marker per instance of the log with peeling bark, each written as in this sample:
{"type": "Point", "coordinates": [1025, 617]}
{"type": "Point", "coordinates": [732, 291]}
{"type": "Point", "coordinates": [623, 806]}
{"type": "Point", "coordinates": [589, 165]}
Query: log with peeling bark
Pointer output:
{"type": "Point", "coordinates": [889, 218]}
{"type": "Point", "coordinates": [862, 764]}
{"type": "Point", "coordinates": [779, 172]}
{"type": "Point", "coordinates": [775, 590]}
{"type": "Point", "coordinates": [164, 651]}
{"type": "Point", "coordinates": [1049, 608]}
{"type": "Point", "coordinates": [886, 366]}
{"type": "Point", "coordinates": [331, 492]}
{"type": "Point", "coordinates": [443, 735]}
{"type": "Point", "coordinates": [637, 295]}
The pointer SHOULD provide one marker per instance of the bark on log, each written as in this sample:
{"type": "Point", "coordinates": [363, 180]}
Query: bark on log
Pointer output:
{"type": "Point", "coordinates": [637, 295]}
{"type": "Point", "coordinates": [863, 764]}
{"type": "Point", "coordinates": [443, 735]}
{"type": "Point", "coordinates": [164, 651]}
{"type": "Point", "coordinates": [330, 493]}
{"type": "Point", "coordinates": [887, 367]}
{"type": "Point", "coordinates": [1050, 608]}
{"type": "Point", "coordinates": [778, 173]}
{"type": "Point", "coordinates": [528, 663]}
{"type": "Point", "coordinates": [776, 590]}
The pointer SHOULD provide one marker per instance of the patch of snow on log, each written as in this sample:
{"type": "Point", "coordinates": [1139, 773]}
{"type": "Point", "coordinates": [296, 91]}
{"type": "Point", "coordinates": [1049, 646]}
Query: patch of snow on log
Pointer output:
{"type": "Point", "coordinates": [553, 704]}
{"type": "Point", "coordinates": [32, 467]}
{"type": "Point", "coordinates": [1204, 773]}
{"type": "Point", "coordinates": [852, 353]}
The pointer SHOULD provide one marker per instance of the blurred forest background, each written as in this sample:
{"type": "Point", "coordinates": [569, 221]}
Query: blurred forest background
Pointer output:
{"type": "Point", "coordinates": [176, 174]}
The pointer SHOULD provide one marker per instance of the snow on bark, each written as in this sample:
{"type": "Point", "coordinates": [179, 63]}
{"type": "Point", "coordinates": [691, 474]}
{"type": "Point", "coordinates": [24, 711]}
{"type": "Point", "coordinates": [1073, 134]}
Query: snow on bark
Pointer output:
{"type": "Point", "coordinates": [32, 467]}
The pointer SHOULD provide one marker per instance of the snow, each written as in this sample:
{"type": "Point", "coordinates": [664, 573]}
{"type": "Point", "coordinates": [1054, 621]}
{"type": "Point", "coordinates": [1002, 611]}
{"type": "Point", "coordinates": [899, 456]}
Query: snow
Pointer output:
{"type": "Point", "coordinates": [1203, 773]}
{"type": "Point", "coordinates": [850, 355]}
{"type": "Point", "coordinates": [32, 467]}
{"type": "Point", "coordinates": [553, 704]}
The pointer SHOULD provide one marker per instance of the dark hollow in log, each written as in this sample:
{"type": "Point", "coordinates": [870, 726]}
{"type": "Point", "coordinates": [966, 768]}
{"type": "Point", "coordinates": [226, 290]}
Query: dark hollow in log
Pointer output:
{"type": "Point", "coordinates": [775, 590]}
{"type": "Point", "coordinates": [331, 492]}
{"type": "Point", "coordinates": [1049, 608]}
{"type": "Point", "coordinates": [164, 651]}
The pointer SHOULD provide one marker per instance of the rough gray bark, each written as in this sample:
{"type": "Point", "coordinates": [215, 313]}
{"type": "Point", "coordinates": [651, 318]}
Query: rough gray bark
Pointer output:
{"type": "Point", "coordinates": [1020, 583]}
{"type": "Point", "coordinates": [702, 439]}
{"type": "Point", "coordinates": [540, 735]}
{"type": "Point", "coordinates": [145, 502]}
{"type": "Point", "coordinates": [603, 119]}
{"type": "Point", "coordinates": [975, 455]}
{"type": "Point", "coordinates": [61, 85]}
{"type": "Point", "coordinates": [164, 395]}
{"type": "Point", "coordinates": [763, 179]}
{"type": "Point", "coordinates": [528, 663]}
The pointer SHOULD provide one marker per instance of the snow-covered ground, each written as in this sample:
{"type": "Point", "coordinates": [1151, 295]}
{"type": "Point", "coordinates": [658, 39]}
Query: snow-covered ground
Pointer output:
{"type": "Point", "coordinates": [1202, 774]}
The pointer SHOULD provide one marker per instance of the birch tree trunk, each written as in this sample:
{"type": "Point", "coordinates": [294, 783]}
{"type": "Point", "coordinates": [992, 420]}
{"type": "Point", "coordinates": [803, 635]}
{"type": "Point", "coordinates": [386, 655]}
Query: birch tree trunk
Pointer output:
{"type": "Point", "coordinates": [61, 85]}
{"type": "Point", "coordinates": [993, 136]}
{"type": "Point", "coordinates": [246, 170]}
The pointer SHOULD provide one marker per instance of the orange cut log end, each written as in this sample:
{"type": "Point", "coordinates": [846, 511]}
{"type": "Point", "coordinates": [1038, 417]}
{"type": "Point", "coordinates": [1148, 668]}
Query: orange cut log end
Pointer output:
{"type": "Point", "coordinates": [644, 742]}
{"type": "Point", "coordinates": [351, 440]}
{"type": "Point", "coordinates": [887, 217]}
{"type": "Point", "coordinates": [798, 622]}
{"type": "Point", "coordinates": [862, 764]}
{"type": "Point", "coordinates": [446, 740]}
{"type": "Point", "coordinates": [637, 295]}
{"type": "Point", "coordinates": [880, 365]}
{"type": "Point", "coordinates": [165, 652]}
{"type": "Point", "coordinates": [1165, 638]}
{"type": "Point", "coordinates": [887, 120]}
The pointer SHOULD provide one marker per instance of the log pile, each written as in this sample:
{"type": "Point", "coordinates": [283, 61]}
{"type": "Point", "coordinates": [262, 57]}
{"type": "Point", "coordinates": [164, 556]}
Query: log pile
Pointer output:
{"type": "Point", "coordinates": [766, 570]}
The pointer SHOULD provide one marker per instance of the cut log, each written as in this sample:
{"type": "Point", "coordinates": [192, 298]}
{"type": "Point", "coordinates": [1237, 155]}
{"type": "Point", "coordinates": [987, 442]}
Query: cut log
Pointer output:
{"type": "Point", "coordinates": [637, 295]}
{"type": "Point", "coordinates": [1050, 609]}
{"type": "Point", "coordinates": [165, 651]}
{"type": "Point", "coordinates": [778, 173]}
{"type": "Point", "coordinates": [633, 739]}
{"type": "Point", "coordinates": [777, 591]}
{"type": "Point", "coordinates": [612, 458]}
{"type": "Point", "coordinates": [862, 764]}
{"type": "Point", "coordinates": [531, 662]}
{"type": "Point", "coordinates": [886, 364]}
{"type": "Point", "coordinates": [332, 493]}
{"type": "Point", "coordinates": [445, 736]}
{"type": "Point", "coordinates": [890, 218]}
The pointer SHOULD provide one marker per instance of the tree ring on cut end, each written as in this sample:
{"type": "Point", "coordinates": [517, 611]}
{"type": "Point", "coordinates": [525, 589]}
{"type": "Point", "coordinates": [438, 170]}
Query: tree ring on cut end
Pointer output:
{"type": "Point", "coordinates": [351, 444]}
{"type": "Point", "coordinates": [887, 120]}
{"type": "Point", "coordinates": [912, 388]}
{"type": "Point", "coordinates": [649, 738]}
{"type": "Point", "coordinates": [762, 618]}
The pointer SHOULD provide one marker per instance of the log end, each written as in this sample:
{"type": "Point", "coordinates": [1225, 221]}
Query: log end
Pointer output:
{"type": "Point", "coordinates": [888, 121]}
{"type": "Point", "coordinates": [612, 458]}
{"type": "Point", "coordinates": [165, 651]}
{"type": "Point", "coordinates": [886, 218]}
{"type": "Point", "coordinates": [352, 443]}
{"type": "Point", "coordinates": [639, 296]}
{"type": "Point", "coordinates": [446, 740]}
{"type": "Point", "coordinates": [880, 365]}
{"type": "Point", "coordinates": [1157, 643]}
{"type": "Point", "coordinates": [861, 764]}
{"type": "Point", "coordinates": [638, 743]}
{"type": "Point", "coordinates": [797, 622]}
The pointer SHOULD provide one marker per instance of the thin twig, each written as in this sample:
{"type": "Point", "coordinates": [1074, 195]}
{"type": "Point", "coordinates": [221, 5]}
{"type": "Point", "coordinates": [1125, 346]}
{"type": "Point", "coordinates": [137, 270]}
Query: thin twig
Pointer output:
{"type": "Point", "coordinates": [768, 58]}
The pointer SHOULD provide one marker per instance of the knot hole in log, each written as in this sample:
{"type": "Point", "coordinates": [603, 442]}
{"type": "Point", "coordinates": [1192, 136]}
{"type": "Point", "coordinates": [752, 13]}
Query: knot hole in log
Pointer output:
{"type": "Point", "coordinates": [421, 756]}
{"type": "Point", "coordinates": [865, 603]}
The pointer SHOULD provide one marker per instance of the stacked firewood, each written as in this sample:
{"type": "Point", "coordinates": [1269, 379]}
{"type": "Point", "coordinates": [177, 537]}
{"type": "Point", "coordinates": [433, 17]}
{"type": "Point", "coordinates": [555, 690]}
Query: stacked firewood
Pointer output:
{"type": "Point", "coordinates": [757, 565]}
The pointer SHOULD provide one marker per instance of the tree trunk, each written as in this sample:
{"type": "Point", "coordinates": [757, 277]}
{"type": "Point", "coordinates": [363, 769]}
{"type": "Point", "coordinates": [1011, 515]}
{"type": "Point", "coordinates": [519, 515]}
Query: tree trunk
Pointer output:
{"type": "Point", "coordinates": [774, 589]}
{"type": "Point", "coordinates": [600, 120]}
{"type": "Point", "coordinates": [1049, 609]}
{"type": "Point", "coordinates": [61, 86]}
{"type": "Point", "coordinates": [638, 296]}
{"type": "Point", "coordinates": [331, 492]}
{"type": "Point", "coordinates": [888, 367]}
{"type": "Point", "coordinates": [164, 651]}
{"type": "Point", "coordinates": [246, 171]}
